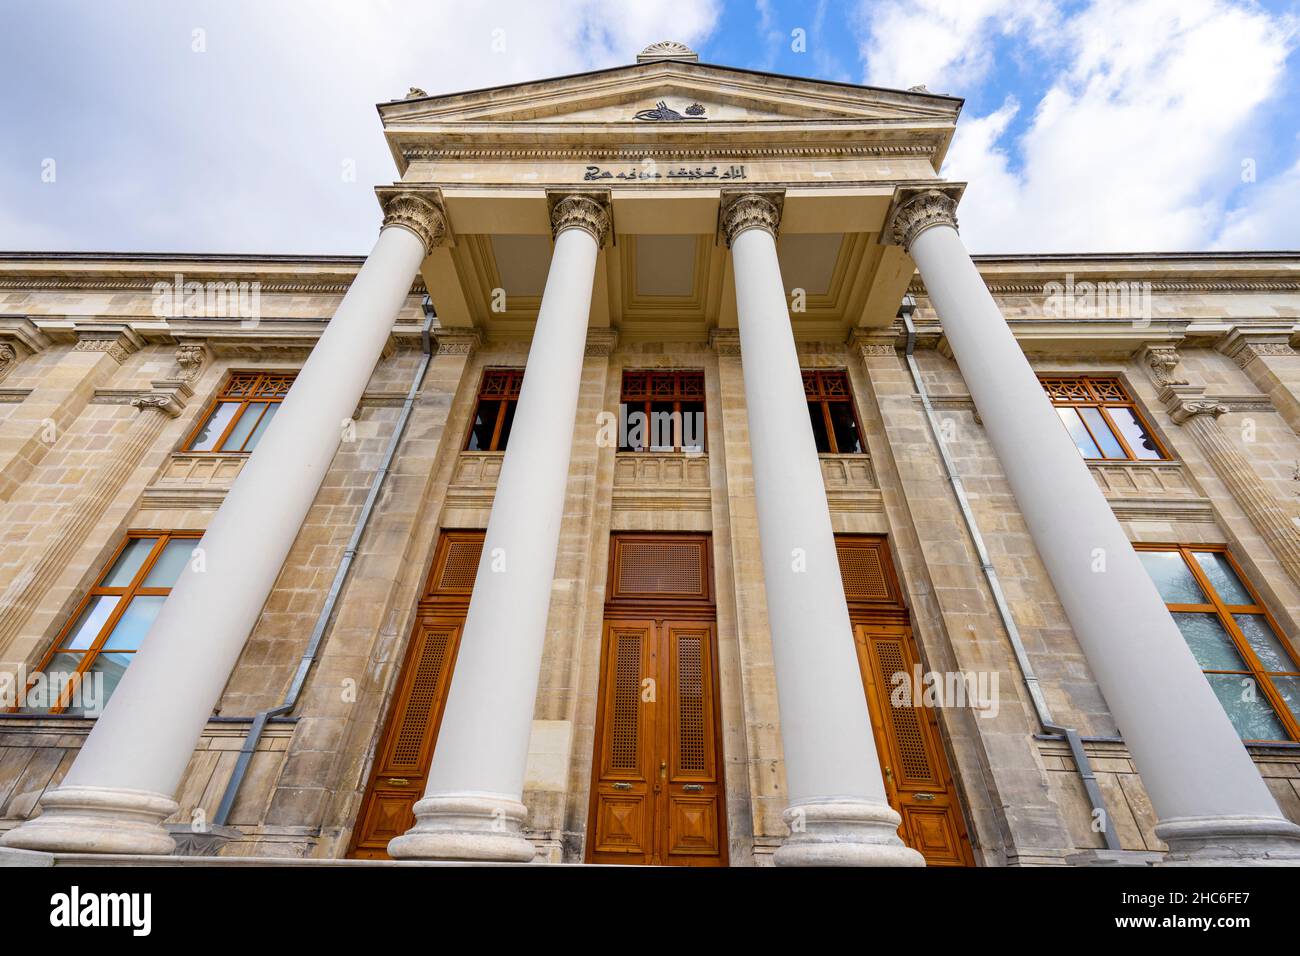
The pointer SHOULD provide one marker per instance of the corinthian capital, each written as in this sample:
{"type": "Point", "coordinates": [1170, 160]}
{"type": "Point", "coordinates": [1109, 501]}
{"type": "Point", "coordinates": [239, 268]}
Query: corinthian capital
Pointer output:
{"type": "Point", "coordinates": [586, 211]}
{"type": "Point", "coordinates": [418, 210]}
{"type": "Point", "coordinates": [748, 210]}
{"type": "Point", "coordinates": [916, 210]}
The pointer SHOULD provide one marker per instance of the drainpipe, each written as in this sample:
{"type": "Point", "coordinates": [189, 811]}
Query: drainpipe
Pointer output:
{"type": "Point", "coordinates": [1044, 714]}
{"type": "Point", "coordinates": [312, 650]}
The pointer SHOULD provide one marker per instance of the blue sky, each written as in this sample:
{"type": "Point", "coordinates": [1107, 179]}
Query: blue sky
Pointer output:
{"type": "Point", "coordinates": [234, 126]}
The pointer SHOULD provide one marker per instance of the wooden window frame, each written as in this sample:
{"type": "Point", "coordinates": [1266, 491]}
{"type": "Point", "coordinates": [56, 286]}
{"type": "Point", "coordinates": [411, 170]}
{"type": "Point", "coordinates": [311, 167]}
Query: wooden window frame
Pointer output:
{"type": "Point", "coordinates": [259, 391]}
{"type": "Point", "coordinates": [816, 393]}
{"type": "Point", "coordinates": [126, 594]}
{"type": "Point", "coordinates": [1102, 400]}
{"type": "Point", "coordinates": [507, 393]}
{"type": "Point", "coordinates": [1224, 613]}
{"type": "Point", "coordinates": [664, 385]}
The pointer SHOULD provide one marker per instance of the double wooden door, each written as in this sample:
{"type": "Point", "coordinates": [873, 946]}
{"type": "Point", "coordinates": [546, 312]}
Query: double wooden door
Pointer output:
{"type": "Point", "coordinates": [657, 796]}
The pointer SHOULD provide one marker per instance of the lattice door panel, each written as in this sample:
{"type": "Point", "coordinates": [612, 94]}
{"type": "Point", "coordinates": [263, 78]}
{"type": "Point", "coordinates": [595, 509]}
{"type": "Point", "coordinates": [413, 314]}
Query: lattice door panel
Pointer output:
{"type": "Point", "coordinates": [659, 568]}
{"type": "Point", "coordinates": [865, 568]}
{"type": "Point", "coordinates": [917, 780]}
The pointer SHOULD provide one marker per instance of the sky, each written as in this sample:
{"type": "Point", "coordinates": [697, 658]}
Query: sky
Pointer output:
{"type": "Point", "coordinates": [249, 126]}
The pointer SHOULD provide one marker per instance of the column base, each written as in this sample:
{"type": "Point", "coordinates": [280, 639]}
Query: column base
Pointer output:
{"type": "Point", "coordinates": [97, 820]}
{"type": "Point", "coordinates": [1230, 841]}
{"type": "Point", "coordinates": [465, 826]}
{"type": "Point", "coordinates": [844, 833]}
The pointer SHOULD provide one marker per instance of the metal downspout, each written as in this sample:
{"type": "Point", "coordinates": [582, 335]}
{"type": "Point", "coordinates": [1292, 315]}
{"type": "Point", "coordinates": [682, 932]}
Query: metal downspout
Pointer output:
{"type": "Point", "coordinates": [1041, 709]}
{"type": "Point", "coordinates": [309, 655]}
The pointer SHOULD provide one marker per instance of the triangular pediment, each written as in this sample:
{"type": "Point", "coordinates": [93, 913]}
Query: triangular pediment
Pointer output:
{"type": "Point", "coordinates": [672, 94]}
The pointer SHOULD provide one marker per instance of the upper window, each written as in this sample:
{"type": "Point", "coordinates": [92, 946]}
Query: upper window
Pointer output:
{"type": "Point", "coordinates": [662, 411]}
{"type": "Point", "coordinates": [241, 413]}
{"type": "Point", "coordinates": [1232, 636]}
{"type": "Point", "coordinates": [498, 394]}
{"type": "Point", "coordinates": [830, 407]}
{"type": "Point", "coordinates": [79, 673]}
{"type": "Point", "coordinates": [1102, 419]}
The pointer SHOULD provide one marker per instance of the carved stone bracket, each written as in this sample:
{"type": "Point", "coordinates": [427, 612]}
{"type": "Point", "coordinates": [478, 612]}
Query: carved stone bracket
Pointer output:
{"type": "Point", "coordinates": [588, 211]}
{"type": "Point", "coordinates": [190, 359]}
{"type": "Point", "coordinates": [1163, 360]}
{"type": "Point", "coordinates": [743, 210]}
{"type": "Point", "coordinates": [8, 359]}
{"type": "Point", "coordinates": [917, 208]}
{"type": "Point", "coordinates": [417, 209]}
{"type": "Point", "coordinates": [168, 396]}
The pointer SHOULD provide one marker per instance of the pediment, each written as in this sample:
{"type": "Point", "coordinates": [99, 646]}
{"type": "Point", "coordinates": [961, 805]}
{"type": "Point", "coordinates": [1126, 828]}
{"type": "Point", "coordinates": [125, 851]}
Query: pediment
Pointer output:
{"type": "Point", "coordinates": [676, 95]}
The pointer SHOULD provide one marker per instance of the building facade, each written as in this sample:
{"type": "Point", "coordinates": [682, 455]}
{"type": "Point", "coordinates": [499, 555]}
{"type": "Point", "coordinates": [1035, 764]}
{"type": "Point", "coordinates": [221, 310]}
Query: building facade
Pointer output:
{"type": "Point", "coordinates": [667, 486]}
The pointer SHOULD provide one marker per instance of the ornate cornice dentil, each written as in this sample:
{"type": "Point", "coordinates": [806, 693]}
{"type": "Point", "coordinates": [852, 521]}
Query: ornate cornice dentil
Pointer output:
{"type": "Point", "coordinates": [419, 213]}
{"type": "Point", "coordinates": [750, 211]}
{"type": "Point", "coordinates": [581, 211]}
{"type": "Point", "coordinates": [917, 212]}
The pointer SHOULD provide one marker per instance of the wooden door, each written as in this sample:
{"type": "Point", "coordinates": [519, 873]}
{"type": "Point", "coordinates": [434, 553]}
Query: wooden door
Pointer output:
{"type": "Point", "coordinates": [917, 780]}
{"type": "Point", "coordinates": [657, 796]}
{"type": "Point", "coordinates": [405, 750]}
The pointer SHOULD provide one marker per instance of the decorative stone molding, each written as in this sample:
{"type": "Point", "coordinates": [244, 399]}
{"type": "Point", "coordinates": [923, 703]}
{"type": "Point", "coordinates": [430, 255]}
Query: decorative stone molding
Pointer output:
{"type": "Point", "coordinates": [168, 396]}
{"type": "Point", "coordinates": [8, 359]}
{"type": "Point", "coordinates": [118, 341]}
{"type": "Point", "coordinates": [876, 343]}
{"type": "Point", "coordinates": [725, 341]}
{"type": "Point", "coordinates": [1184, 408]}
{"type": "Point", "coordinates": [667, 50]}
{"type": "Point", "coordinates": [419, 212]}
{"type": "Point", "coordinates": [1243, 346]}
{"type": "Point", "coordinates": [190, 359]}
{"type": "Point", "coordinates": [916, 210]}
{"type": "Point", "coordinates": [1248, 353]}
{"type": "Point", "coordinates": [1162, 360]}
{"type": "Point", "coordinates": [601, 342]}
{"type": "Point", "coordinates": [457, 342]}
{"type": "Point", "coordinates": [579, 210]}
{"type": "Point", "coordinates": [750, 210]}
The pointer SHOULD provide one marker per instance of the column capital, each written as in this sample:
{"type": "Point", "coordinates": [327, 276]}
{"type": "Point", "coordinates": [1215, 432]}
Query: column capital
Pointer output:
{"type": "Point", "coordinates": [1185, 402]}
{"type": "Point", "coordinates": [588, 210]}
{"type": "Point", "coordinates": [872, 343]}
{"type": "Point", "coordinates": [750, 209]}
{"type": "Point", "coordinates": [417, 209]}
{"type": "Point", "coordinates": [725, 341]}
{"type": "Point", "coordinates": [456, 341]}
{"type": "Point", "coordinates": [167, 395]}
{"type": "Point", "coordinates": [917, 208]}
{"type": "Point", "coordinates": [1243, 346]}
{"type": "Point", "coordinates": [601, 342]}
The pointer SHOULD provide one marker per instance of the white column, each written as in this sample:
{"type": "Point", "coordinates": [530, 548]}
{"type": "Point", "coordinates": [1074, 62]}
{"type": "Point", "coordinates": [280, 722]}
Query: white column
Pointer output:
{"type": "Point", "coordinates": [838, 813]}
{"type": "Point", "coordinates": [1212, 804]}
{"type": "Point", "coordinates": [120, 788]}
{"type": "Point", "coordinates": [472, 806]}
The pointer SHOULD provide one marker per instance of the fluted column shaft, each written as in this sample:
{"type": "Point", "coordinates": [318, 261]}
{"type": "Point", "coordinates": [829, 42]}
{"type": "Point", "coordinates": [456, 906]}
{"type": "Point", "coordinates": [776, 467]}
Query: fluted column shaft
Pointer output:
{"type": "Point", "coordinates": [838, 812]}
{"type": "Point", "coordinates": [1211, 801]}
{"type": "Point", "coordinates": [121, 786]}
{"type": "Point", "coordinates": [472, 807]}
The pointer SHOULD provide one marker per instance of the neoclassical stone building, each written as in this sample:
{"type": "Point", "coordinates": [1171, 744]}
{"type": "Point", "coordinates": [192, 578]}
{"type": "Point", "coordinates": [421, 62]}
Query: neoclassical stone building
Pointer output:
{"type": "Point", "coordinates": [668, 485]}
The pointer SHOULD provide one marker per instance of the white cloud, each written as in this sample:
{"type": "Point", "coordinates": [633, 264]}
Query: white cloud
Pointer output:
{"type": "Point", "coordinates": [1136, 143]}
{"type": "Point", "coordinates": [1268, 219]}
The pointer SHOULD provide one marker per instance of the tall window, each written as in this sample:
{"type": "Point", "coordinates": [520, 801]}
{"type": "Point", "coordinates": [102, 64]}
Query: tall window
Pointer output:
{"type": "Point", "coordinates": [830, 407]}
{"type": "Point", "coordinates": [1102, 419]}
{"type": "Point", "coordinates": [498, 394]}
{"type": "Point", "coordinates": [241, 413]}
{"type": "Point", "coordinates": [1232, 636]}
{"type": "Point", "coordinates": [95, 647]}
{"type": "Point", "coordinates": [662, 411]}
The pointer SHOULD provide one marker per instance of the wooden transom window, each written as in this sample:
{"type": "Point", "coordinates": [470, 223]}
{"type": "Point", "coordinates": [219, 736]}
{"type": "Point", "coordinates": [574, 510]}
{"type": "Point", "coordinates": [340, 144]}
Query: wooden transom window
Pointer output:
{"type": "Point", "coordinates": [1102, 419]}
{"type": "Point", "coordinates": [241, 413]}
{"type": "Point", "coordinates": [498, 396]}
{"type": "Point", "coordinates": [662, 411]}
{"type": "Point", "coordinates": [831, 410]}
{"type": "Point", "coordinates": [79, 673]}
{"type": "Point", "coordinates": [1234, 639]}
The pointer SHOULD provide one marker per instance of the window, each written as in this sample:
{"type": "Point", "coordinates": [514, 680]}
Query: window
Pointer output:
{"type": "Point", "coordinates": [242, 412]}
{"type": "Point", "coordinates": [95, 647]}
{"type": "Point", "coordinates": [1234, 639]}
{"type": "Point", "coordinates": [498, 395]}
{"type": "Point", "coordinates": [1102, 419]}
{"type": "Point", "coordinates": [830, 407]}
{"type": "Point", "coordinates": [662, 411]}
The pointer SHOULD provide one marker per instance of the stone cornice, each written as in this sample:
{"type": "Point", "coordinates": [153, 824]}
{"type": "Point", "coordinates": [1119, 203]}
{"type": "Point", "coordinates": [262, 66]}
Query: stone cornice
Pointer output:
{"type": "Point", "coordinates": [719, 151]}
